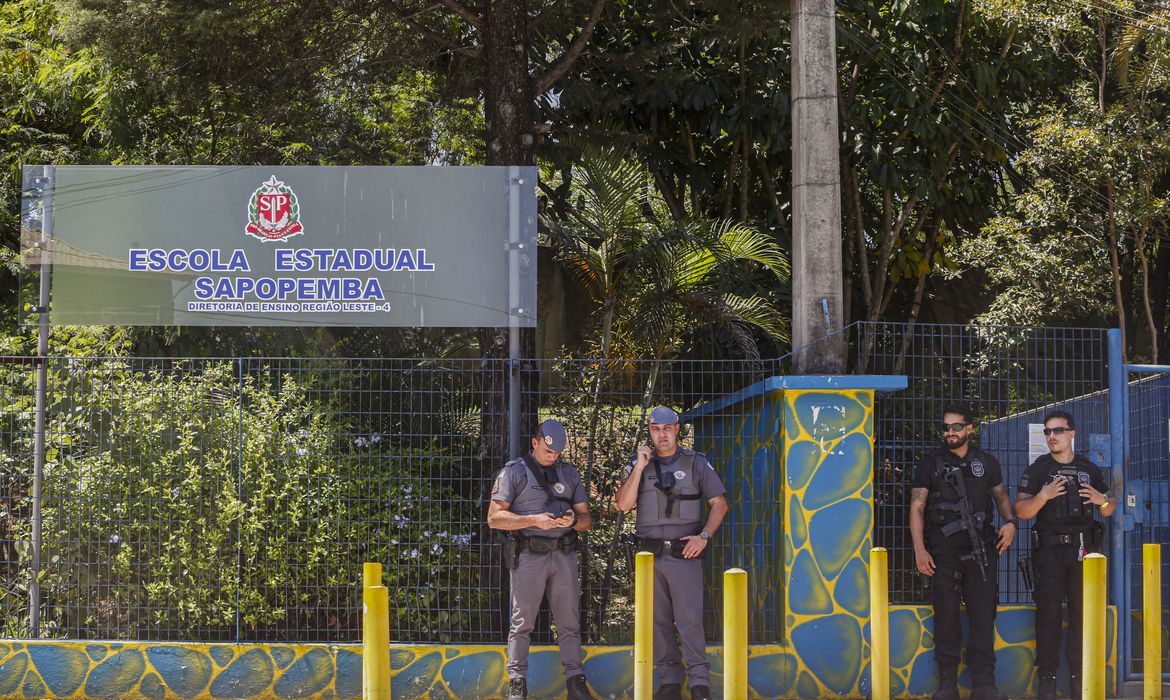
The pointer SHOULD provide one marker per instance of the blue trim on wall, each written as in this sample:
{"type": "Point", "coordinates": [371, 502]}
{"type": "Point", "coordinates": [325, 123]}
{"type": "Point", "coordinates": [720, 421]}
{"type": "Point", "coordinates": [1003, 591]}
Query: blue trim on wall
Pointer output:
{"type": "Point", "coordinates": [839, 382]}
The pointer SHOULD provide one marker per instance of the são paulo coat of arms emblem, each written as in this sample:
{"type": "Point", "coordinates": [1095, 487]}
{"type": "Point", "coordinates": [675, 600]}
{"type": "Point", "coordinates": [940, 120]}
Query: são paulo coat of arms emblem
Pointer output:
{"type": "Point", "coordinates": [273, 212]}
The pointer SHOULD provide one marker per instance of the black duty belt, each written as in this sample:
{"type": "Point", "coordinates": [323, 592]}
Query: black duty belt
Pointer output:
{"type": "Point", "coordinates": [657, 547]}
{"type": "Point", "coordinates": [1051, 538]}
{"type": "Point", "coordinates": [545, 545]}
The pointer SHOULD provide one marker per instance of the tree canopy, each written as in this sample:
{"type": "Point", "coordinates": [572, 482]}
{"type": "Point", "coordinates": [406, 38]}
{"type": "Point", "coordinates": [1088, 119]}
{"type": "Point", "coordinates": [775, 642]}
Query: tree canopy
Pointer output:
{"type": "Point", "coordinates": [1002, 161]}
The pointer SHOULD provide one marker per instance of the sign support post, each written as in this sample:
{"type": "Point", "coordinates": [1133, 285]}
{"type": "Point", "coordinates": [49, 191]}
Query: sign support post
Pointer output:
{"type": "Point", "coordinates": [45, 184]}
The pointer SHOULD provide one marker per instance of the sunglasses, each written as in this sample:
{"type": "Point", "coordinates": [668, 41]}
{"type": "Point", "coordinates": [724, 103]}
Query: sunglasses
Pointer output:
{"type": "Point", "coordinates": [1057, 431]}
{"type": "Point", "coordinates": [954, 427]}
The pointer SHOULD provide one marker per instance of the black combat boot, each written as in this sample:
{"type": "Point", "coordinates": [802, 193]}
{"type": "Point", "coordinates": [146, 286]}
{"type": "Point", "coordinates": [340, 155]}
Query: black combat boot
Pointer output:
{"type": "Point", "coordinates": [700, 692]}
{"type": "Point", "coordinates": [948, 685]}
{"type": "Point", "coordinates": [1047, 689]}
{"type": "Point", "coordinates": [578, 690]}
{"type": "Point", "coordinates": [669, 691]}
{"type": "Point", "coordinates": [517, 689]}
{"type": "Point", "coordinates": [988, 692]}
{"type": "Point", "coordinates": [1074, 686]}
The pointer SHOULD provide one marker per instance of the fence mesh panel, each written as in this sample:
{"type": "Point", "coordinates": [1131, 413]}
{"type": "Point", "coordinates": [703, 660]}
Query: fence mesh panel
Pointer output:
{"type": "Point", "coordinates": [1010, 377]}
{"type": "Point", "coordinates": [235, 499]}
{"type": "Point", "coordinates": [1149, 478]}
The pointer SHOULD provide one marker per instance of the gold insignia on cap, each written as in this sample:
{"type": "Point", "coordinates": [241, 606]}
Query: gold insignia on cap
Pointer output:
{"type": "Point", "coordinates": [548, 439]}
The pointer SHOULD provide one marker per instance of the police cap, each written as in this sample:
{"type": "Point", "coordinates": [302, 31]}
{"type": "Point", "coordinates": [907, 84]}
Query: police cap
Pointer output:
{"type": "Point", "coordinates": [663, 416]}
{"type": "Point", "coordinates": [554, 435]}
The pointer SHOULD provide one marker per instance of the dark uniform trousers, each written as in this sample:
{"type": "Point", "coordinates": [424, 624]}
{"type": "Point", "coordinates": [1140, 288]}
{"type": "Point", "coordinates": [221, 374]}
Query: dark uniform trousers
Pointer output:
{"type": "Point", "coordinates": [1058, 579]}
{"type": "Point", "coordinates": [956, 580]}
{"type": "Point", "coordinates": [535, 576]}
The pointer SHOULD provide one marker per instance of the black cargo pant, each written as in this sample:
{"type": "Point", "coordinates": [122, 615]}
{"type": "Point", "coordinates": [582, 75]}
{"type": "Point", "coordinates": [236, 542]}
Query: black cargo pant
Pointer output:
{"type": "Point", "coordinates": [1058, 580]}
{"type": "Point", "coordinates": [957, 580]}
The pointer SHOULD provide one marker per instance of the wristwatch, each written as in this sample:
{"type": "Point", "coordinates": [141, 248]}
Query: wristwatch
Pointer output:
{"type": "Point", "coordinates": [1012, 522]}
{"type": "Point", "coordinates": [705, 535]}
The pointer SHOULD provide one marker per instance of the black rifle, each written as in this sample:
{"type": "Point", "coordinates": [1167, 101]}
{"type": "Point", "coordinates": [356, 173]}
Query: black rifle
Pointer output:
{"type": "Point", "coordinates": [968, 520]}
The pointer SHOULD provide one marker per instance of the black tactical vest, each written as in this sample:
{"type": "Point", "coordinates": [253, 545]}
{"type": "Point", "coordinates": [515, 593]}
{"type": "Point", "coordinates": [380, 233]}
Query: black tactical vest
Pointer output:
{"type": "Point", "coordinates": [942, 504]}
{"type": "Point", "coordinates": [1068, 513]}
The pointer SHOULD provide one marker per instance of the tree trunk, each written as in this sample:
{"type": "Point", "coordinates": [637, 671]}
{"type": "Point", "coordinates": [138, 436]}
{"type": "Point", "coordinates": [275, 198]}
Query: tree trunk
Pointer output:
{"type": "Point", "coordinates": [509, 117]}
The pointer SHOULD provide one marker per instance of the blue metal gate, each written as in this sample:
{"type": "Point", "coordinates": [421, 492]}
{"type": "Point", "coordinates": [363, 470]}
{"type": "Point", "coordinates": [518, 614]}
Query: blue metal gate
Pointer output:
{"type": "Point", "coordinates": [1140, 397]}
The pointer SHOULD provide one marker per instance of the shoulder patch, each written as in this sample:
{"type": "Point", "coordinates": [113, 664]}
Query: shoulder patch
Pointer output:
{"type": "Point", "coordinates": [496, 484]}
{"type": "Point", "coordinates": [1025, 480]}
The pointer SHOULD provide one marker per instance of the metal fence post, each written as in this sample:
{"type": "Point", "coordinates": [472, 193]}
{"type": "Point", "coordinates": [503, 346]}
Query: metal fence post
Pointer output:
{"type": "Point", "coordinates": [1119, 440]}
{"type": "Point", "coordinates": [46, 185]}
{"type": "Point", "coordinates": [515, 246]}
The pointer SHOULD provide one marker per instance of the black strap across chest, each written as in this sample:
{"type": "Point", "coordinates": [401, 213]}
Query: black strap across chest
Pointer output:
{"type": "Point", "coordinates": [668, 487]}
{"type": "Point", "coordinates": [542, 479]}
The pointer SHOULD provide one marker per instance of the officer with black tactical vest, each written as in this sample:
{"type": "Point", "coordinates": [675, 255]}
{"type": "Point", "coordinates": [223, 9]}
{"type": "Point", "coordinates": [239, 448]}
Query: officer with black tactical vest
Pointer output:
{"type": "Point", "coordinates": [952, 495]}
{"type": "Point", "coordinates": [1064, 491]}
{"type": "Point", "coordinates": [540, 502]}
{"type": "Point", "coordinates": [669, 484]}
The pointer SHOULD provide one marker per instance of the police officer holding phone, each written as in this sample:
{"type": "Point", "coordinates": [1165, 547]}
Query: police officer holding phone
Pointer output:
{"type": "Point", "coordinates": [540, 502]}
{"type": "Point", "coordinates": [669, 484]}
{"type": "Point", "coordinates": [1064, 491]}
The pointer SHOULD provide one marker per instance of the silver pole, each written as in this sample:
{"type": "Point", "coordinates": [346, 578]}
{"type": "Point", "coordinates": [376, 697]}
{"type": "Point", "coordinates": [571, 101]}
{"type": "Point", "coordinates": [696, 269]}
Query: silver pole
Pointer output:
{"type": "Point", "coordinates": [46, 185]}
{"type": "Point", "coordinates": [515, 247]}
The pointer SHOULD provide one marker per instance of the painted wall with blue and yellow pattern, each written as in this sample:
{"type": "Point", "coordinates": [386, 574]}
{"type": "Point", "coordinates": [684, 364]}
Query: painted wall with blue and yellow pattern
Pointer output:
{"type": "Point", "coordinates": [802, 453]}
{"type": "Point", "coordinates": [35, 670]}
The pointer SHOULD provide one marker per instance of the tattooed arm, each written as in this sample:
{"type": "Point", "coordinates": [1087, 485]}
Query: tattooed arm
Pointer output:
{"type": "Point", "coordinates": [1003, 504]}
{"type": "Point", "coordinates": [922, 558]}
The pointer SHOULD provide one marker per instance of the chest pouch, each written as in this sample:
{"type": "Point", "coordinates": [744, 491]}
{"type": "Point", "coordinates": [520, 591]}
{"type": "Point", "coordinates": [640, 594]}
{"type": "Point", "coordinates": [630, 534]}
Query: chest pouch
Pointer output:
{"type": "Point", "coordinates": [668, 484]}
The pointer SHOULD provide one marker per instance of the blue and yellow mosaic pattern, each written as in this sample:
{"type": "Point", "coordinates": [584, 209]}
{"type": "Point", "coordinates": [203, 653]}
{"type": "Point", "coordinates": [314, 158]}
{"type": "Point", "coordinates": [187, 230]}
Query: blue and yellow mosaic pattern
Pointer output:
{"type": "Point", "coordinates": [828, 506]}
{"type": "Point", "coordinates": [34, 670]}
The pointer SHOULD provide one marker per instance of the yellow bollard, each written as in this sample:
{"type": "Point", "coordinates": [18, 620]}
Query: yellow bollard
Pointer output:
{"type": "Point", "coordinates": [1093, 628]}
{"type": "Point", "coordinates": [375, 635]}
{"type": "Point", "coordinates": [735, 635]}
{"type": "Point", "coordinates": [643, 626]}
{"type": "Point", "coordinates": [1152, 620]}
{"type": "Point", "coordinates": [371, 576]}
{"type": "Point", "coordinates": [879, 625]}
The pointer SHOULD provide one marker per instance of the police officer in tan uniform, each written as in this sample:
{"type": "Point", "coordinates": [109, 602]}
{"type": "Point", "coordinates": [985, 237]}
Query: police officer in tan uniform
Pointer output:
{"type": "Point", "coordinates": [668, 485]}
{"type": "Point", "coordinates": [540, 502]}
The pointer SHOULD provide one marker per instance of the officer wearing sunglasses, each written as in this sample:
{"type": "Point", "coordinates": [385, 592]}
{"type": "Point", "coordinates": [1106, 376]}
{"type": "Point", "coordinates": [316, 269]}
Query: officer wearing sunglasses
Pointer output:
{"type": "Point", "coordinates": [1064, 491]}
{"type": "Point", "coordinates": [946, 527]}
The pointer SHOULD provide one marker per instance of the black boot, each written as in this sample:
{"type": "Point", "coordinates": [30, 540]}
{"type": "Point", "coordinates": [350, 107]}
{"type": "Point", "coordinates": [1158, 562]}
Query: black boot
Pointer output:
{"type": "Point", "coordinates": [578, 690]}
{"type": "Point", "coordinates": [1047, 689]}
{"type": "Point", "coordinates": [988, 692]}
{"type": "Point", "coordinates": [1074, 686]}
{"type": "Point", "coordinates": [669, 691]}
{"type": "Point", "coordinates": [517, 689]}
{"type": "Point", "coordinates": [948, 685]}
{"type": "Point", "coordinates": [700, 692]}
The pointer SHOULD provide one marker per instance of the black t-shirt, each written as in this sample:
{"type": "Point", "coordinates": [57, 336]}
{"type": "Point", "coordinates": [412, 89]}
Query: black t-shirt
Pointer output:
{"type": "Point", "coordinates": [981, 473]}
{"type": "Point", "coordinates": [1042, 471]}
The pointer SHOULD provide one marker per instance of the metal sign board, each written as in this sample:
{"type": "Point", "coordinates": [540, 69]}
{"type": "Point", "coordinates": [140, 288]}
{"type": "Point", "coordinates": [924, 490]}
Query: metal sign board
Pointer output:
{"type": "Point", "coordinates": [284, 246]}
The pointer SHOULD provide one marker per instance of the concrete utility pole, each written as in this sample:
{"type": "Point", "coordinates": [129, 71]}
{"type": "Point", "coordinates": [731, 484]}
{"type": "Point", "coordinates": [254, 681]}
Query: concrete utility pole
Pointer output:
{"type": "Point", "coordinates": [816, 191]}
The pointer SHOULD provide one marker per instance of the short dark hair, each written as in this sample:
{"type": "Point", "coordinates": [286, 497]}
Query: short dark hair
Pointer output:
{"type": "Point", "coordinates": [1072, 425]}
{"type": "Point", "coordinates": [959, 410]}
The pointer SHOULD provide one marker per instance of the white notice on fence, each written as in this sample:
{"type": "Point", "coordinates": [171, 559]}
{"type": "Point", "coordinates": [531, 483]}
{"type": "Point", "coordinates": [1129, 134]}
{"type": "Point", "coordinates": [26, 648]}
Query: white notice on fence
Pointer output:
{"type": "Point", "coordinates": [1037, 447]}
{"type": "Point", "coordinates": [1037, 443]}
